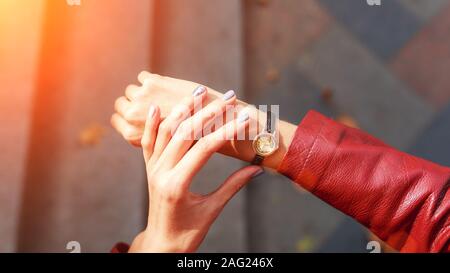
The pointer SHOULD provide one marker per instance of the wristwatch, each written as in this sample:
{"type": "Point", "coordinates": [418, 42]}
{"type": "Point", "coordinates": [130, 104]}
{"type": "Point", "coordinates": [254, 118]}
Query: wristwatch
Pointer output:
{"type": "Point", "coordinates": [265, 143]}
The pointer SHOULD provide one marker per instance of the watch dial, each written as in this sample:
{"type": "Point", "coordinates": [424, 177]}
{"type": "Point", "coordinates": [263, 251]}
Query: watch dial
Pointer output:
{"type": "Point", "coordinates": [265, 144]}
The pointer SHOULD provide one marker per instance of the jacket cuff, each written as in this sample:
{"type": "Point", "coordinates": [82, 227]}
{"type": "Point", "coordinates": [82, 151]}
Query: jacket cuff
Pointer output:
{"type": "Point", "coordinates": [120, 248]}
{"type": "Point", "coordinates": [309, 153]}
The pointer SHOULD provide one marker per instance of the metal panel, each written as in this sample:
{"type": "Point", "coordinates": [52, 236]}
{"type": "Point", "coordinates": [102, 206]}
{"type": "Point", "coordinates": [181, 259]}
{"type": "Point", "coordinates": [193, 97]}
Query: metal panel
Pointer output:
{"type": "Point", "coordinates": [362, 87]}
{"type": "Point", "coordinates": [200, 40]}
{"type": "Point", "coordinates": [20, 35]}
{"type": "Point", "coordinates": [282, 217]}
{"type": "Point", "coordinates": [84, 183]}
{"type": "Point", "coordinates": [433, 143]}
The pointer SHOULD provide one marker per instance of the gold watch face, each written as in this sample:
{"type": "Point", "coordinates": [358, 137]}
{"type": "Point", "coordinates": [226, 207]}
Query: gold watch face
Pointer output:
{"type": "Point", "coordinates": [265, 144]}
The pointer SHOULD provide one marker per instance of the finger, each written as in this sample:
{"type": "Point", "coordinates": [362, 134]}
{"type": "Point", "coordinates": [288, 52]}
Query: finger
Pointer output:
{"type": "Point", "coordinates": [150, 131]}
{"type": "Point", "coordinates": [145, 76]}
{"type": "Point", "coordinates": [200, 153]}
{"type": "Point", "coordinates": [173, 120]}
{"type": "Point", "coordinates": [122, 106]}
{"type": "Point", "coordinates": [135, 113]}
{"type": "Point", "coordinates": [132, 92]}
{"type": "Point", "coordinates": [233, 184]}
{"type": "Point", "coordinates": [129, 132]}
{"type": "Point", "coordinates": [191, 128]}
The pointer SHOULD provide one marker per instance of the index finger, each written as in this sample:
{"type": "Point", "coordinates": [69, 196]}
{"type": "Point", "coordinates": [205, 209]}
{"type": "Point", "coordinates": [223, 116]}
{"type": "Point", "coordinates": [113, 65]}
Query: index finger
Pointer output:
{"type": "Point", "coordinates": [202, 151]}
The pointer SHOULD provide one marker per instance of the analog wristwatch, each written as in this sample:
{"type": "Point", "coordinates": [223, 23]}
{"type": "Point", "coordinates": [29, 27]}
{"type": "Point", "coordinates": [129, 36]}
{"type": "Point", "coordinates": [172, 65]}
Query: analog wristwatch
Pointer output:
{"type": "Point", "coordinates": [265, 143]}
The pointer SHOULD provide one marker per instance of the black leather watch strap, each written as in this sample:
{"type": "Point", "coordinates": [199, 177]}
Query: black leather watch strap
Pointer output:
{"type": "Point", "coordinates": [257, 160]}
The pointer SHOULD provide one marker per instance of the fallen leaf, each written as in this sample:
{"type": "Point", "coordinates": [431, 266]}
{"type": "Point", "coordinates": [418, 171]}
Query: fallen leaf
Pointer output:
{"type": "Point", "coordinates": [91, 135]}
{"type": "Point", "coordinates": [272, 75]}
{"type": "Point", "coordinates": [347, 120]}
{"type": "Point", "coordinates": [327, 95]}
{"type": "Point", "coordinates": [306, 244]}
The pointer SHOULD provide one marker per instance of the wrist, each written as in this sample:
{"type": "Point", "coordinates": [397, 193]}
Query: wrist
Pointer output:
{"type": "Point", "coordinates": [146, 242]}
{"type": "Point", "coordinates": [242, 149]}
{"type": "Point", "coordinates": [286, 135]}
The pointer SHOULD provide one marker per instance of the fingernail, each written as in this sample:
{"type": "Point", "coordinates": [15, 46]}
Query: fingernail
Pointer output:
{"type": "Point", "coordinates": [243, 116]}
{"type": "Point", "coordinates": [258, 173]}
{"type": "Point", "coordinates": [151, 111]}
{"type": "Point", "coordinates": [228, 95]}
{"type": "Point", "coordinates": [198, 91]}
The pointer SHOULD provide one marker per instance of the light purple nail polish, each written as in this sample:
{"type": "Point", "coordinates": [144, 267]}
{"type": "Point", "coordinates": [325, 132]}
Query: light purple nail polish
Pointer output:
{"type": "Point", "coordinates": [243, 117]}
{"type": "Point", "coordinates": [198, 91]}
{"type": "Point", "coordinates": [258, 173]}
{"type": "Point", "coordinates": [228, 95]}
{"type": "Point", "coordinates": [151, 111]}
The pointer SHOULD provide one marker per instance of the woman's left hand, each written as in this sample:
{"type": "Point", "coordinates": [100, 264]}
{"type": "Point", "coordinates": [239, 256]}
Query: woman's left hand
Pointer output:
{"type": "Point", "coordinates": [178, 219]}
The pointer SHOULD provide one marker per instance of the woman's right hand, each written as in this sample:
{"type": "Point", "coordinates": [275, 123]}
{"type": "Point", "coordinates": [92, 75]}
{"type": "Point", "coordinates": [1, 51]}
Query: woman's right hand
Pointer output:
{"type": "Point", "coordinates": [178, 219]}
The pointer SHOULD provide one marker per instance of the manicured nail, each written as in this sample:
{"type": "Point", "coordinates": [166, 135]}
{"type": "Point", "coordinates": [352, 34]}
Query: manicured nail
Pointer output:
{"type": "Point", "coordinates": [151, 111]}
{"type": "Point", "coordinates": [198, 91]}
{"type": "Point", "coordinates": [228, 95]}
{"type": "Point", "coordinates": [243, 116]}
{"type": "Point", "coordinates": [258, 173]}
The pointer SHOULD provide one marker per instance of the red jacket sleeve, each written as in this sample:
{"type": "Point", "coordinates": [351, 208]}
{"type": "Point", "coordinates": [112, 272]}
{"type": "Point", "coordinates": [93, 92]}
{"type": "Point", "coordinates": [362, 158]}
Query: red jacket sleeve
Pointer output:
{"type": "Point", "coordinates": [120, 248]}
{"type": "Point", "coordinates": [403, 199]}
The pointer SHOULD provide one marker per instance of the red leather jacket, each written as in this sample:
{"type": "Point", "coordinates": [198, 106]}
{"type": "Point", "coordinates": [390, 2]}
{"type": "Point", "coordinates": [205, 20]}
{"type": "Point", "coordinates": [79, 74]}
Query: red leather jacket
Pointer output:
{"type": "Point", "coordinates": [403, 199]}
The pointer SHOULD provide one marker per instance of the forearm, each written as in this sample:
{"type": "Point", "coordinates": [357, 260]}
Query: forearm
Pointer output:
{"type": "Point", "coordinates": [242, 149]}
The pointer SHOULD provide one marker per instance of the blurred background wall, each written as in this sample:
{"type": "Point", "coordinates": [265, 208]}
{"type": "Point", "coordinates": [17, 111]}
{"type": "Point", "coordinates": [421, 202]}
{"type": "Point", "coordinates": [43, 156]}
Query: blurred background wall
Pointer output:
{"type": "Point", "coordinates": [65, 175]}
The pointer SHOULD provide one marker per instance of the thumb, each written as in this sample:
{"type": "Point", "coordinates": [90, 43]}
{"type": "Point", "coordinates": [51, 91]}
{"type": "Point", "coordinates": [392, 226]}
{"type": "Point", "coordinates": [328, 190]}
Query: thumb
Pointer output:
{"type": "Point", "coordinates": [234, 184]}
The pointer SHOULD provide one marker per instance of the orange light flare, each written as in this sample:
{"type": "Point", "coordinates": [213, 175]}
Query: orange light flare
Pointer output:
{"type": "Point", "coordinates": [20, 31]}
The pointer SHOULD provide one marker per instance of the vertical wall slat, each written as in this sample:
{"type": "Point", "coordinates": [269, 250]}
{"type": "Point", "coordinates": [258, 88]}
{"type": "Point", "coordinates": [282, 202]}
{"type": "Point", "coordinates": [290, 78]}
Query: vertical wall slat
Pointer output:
{"type": "Point", "coordinates": [20, 25]}
{"type": "Point", "coordinates": [84, 183]}
{"type": "Point", "coordinates": [201, 41]}
{"type": "Point", "coordinates": [282, 217]}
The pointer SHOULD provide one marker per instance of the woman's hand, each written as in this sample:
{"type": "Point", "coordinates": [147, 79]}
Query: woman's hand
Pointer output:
{"type": "Point", "coordinates": [178, 219]}
{"type": "Point", "coordinates": [131, 110]}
